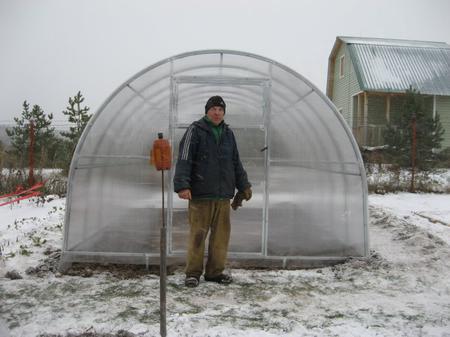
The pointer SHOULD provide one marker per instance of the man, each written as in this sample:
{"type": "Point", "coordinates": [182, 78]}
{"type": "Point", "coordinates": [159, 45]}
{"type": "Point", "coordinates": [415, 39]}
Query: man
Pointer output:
{"type": "Point", "coordinates": [207, 172]}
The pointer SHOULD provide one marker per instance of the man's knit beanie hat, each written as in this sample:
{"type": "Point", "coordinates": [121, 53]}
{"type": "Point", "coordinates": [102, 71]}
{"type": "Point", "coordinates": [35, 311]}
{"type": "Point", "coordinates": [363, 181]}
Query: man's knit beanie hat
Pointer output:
{"type": "Point", "coordinates": [215, 101]}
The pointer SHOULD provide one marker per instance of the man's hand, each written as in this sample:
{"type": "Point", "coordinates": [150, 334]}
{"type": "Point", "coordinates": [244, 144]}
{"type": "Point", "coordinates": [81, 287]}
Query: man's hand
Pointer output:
{"type": "Point", "coordinates": [185, 194]}
{"type": "Point", "coordinates": [237, 200]}
{"type": "Point", "coordinates": [247, 194]}
{"type": "Point", "coordinates": [240, 196]}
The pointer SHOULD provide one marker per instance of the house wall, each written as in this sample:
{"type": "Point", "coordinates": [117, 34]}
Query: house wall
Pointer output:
{"type": "Point", "coordinates": [443, 109]}
{"type": "Point", "coordinates": [377, 114]}
{"type": "Point", "coordinates": [377, 110]}
{"type": "Point", "coordinates": [428, 105]}
{"type": "Point", "coordinates": [344, 88]}
{"type": "Point", "coordinates": [396, 106]}
{"type": "Point", "coordinates": [397, 102]}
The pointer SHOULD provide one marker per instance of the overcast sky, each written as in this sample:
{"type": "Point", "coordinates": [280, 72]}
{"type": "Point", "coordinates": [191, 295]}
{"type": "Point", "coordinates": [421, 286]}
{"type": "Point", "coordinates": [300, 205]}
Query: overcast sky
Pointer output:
{"type": "Point", "coordinates": [50, 49]}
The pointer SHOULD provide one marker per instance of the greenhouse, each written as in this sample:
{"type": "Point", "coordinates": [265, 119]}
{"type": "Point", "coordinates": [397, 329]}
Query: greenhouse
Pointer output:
{"type": "Point", "coordinates": [309, 204]}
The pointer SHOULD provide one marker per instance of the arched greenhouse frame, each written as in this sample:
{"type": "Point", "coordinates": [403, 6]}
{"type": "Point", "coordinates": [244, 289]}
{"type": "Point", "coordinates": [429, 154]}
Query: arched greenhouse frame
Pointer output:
{"type": "Point", "coordinates": [309, 204]}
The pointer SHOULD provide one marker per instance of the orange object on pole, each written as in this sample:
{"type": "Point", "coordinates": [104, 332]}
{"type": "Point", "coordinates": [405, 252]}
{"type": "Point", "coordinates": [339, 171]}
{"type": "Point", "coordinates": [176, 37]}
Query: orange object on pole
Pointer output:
{"type": "Point", "coordinates": [161, 155]}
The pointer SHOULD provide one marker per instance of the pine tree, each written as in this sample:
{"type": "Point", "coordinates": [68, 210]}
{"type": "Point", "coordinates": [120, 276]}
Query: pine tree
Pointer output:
{"type": "Point", "coordinates": [78, 116]}
{"type": "Point", "coordinates": [429, 131]}
{"type": "Point", "coordinates": [2, 156]}
{"type": "Point", "coordinates": [44, 134]}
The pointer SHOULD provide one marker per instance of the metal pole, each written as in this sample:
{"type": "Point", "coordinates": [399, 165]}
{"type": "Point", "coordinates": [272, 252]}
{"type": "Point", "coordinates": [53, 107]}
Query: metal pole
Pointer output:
{"type": "Point", "coordinates": [162, 267]}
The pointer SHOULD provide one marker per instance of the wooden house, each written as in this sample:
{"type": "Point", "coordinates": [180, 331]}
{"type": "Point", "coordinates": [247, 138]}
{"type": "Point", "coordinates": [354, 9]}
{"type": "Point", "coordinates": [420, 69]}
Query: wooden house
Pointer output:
{"type": "Point", "coordinates": [368, 77]}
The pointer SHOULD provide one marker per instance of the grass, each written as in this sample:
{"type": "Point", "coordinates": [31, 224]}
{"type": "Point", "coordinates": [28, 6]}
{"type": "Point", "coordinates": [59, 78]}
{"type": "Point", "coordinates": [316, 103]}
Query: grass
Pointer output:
{"type": "Point", "coordinates": [131, 290]}
{"type": "Point", "coordinates": [260, 318]}
{"type": "Point", "coordinates": [188, 306]}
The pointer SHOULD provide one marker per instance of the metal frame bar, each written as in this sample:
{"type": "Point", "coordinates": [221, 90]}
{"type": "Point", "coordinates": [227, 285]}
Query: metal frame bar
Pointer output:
{"type": "Point", "coordinates": [221, 80]}
{"type": "Point", "coordinates": [266, 117]}
{"type": "Point", "coordinates": [173, 117]}
{"type": "Point", "coordinates": [243, 255]}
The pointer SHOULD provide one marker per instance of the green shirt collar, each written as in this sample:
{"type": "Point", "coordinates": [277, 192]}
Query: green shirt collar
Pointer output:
{"type": "Point", "coordinates": [216, 129]}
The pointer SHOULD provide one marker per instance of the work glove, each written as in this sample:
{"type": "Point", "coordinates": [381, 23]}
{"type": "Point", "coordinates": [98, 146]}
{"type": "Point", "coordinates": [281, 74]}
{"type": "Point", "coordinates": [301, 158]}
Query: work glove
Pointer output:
{"type": "Point", "coordinates": [240, 196]}
{"type": "Point", "coordinates": [247, 194]}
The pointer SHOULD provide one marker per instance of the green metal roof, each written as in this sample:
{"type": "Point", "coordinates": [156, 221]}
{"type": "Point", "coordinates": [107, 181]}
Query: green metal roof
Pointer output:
{"type": "Point", "coordinates": [389, 65]}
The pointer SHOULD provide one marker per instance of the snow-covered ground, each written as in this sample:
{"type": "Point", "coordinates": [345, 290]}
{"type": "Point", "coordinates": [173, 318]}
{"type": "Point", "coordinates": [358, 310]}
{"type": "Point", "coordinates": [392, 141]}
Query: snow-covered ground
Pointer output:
{"type": "Point", "coordinates": [401, 289]}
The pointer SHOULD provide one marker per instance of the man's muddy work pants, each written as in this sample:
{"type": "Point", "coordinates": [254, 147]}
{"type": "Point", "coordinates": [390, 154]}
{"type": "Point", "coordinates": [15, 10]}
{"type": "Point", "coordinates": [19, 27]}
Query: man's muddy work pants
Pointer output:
{"type": "Point", "coordinates": [208, 216]}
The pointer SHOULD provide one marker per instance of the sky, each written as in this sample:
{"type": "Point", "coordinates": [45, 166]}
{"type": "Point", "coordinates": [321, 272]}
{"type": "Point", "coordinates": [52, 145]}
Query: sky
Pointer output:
{"type": "Point", "coordinates": [51, 49]}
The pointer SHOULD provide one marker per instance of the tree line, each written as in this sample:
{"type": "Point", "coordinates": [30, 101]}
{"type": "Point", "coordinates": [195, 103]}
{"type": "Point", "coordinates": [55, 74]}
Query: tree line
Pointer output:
{"type": "Point", "coordinates": [33, 131]}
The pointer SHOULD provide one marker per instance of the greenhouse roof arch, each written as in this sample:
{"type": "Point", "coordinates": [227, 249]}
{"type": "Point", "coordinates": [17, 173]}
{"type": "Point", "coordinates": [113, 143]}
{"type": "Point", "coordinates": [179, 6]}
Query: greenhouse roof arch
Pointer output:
{"type": "Point", "coordinates": [309, 204]}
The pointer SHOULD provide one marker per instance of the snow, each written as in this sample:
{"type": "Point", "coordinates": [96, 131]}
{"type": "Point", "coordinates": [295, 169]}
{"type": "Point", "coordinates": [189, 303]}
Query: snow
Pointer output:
{"type": "Point", "coordinates": [401, 289]}
{"type": "Point", "coordinates": [430, 212]}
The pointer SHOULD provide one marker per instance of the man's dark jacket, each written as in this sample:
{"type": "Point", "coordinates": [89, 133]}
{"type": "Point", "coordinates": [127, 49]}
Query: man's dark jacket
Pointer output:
{"type": "Point", "coordinates": [209, 169]}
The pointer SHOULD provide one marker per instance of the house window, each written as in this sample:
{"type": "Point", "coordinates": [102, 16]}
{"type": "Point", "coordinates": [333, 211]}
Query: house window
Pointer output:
{"type": "Point", "coordinates": [341, 66]}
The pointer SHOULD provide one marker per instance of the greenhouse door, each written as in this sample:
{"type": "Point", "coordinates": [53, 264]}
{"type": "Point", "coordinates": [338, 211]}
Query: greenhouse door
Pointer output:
{"type": "Point", "coordinates": [248, 119]}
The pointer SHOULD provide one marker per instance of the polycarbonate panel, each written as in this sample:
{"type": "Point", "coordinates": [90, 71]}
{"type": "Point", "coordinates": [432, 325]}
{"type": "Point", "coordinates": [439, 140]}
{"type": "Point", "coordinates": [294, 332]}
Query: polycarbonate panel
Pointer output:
{"type": "Point", "coordinates": [310, 213]}
{"type": "Point", "coordinates": [112, 211]}
{"type": "Point", "coordinates": [309, 189]}
{"type": "Point", "coordinates": [247, 221]}
{"type": "Point", "coordinates": [335, 137]}
{"type": "Point", "coordinates": [244, 102]}
{"type": "Point", "coordinates": [203, 64]}
{"type": "Point", "coordinates": [150, 78]}
{"type": "Point", "coordinates": [155, 95]}
{"type": "Point", "coordinates": [287, 86]}
{"type": "Point", "coordinates": [247, 66]}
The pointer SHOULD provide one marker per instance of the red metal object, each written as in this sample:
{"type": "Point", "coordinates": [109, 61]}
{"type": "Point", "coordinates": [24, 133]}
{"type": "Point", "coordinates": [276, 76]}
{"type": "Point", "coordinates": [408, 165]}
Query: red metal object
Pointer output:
{"type": "Point", "coordinates": [21, 194]}
{"type": "Point", "coordinates": [30, 195]}
{"type": "Point", "coordinates": [19, 190]}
